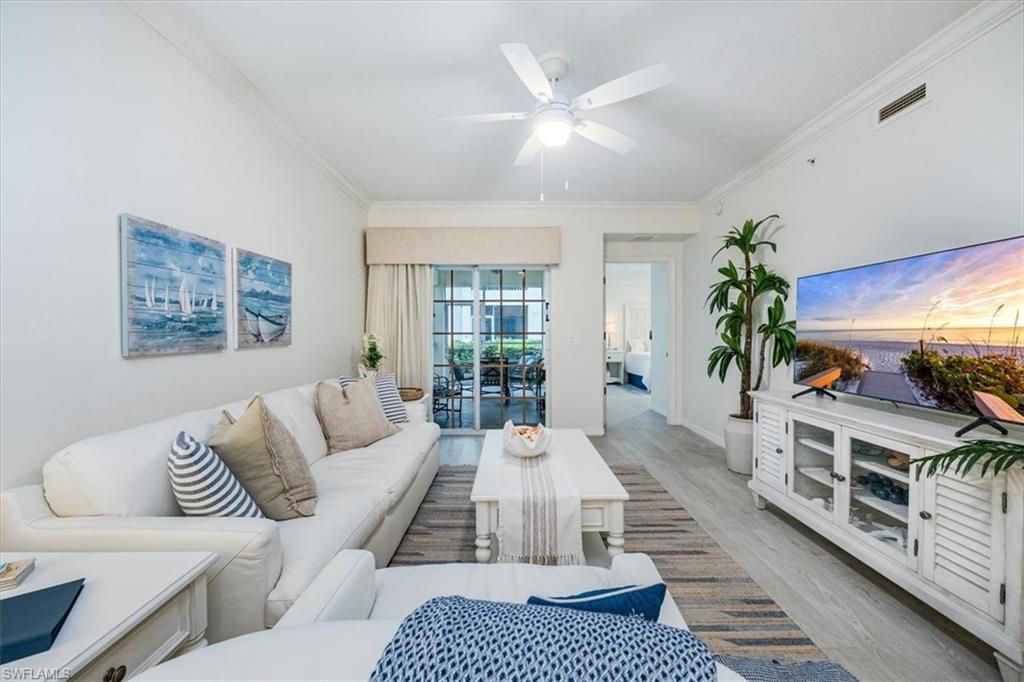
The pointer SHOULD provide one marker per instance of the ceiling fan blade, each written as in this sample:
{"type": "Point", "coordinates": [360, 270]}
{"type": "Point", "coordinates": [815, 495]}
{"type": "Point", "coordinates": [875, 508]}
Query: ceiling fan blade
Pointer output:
{"type": "Point", "coordinates": [529, 151]}
{"type": "Point", "coordinates": [528, 69]}
{"type": "Point", "coordinates": [489, 118]}
{"type": "Point", "coordinates": [606, 137]}
{"type": "Point", "coordinates": [631, 85]}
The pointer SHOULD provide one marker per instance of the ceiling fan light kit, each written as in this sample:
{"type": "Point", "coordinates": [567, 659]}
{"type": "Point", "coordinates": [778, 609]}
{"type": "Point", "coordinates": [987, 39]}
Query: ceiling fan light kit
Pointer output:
{"type": "Point", "coordinates": [556, 117]}
{"type": "Point", "coordinates": [553, 127]}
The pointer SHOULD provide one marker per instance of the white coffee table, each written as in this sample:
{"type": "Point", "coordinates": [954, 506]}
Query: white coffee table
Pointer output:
{"type": "Point", "coordinates": [602, 497]}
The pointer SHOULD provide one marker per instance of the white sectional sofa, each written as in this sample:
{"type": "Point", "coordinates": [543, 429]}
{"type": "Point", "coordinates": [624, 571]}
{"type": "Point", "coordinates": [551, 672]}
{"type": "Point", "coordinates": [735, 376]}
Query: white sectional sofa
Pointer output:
{"type": "Point", "coordinates": [343, 622]}
{"type": "Point", "coordinates": [111, 493]}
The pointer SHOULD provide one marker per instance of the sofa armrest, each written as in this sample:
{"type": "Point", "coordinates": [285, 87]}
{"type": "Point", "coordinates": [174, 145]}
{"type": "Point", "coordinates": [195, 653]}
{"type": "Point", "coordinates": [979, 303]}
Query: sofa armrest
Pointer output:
{"type": "Point", "coordinates": [638, 569]}
{"type": "Point", "coordinates": [248, 550]}
{"type": "Point", "coordinates": [416, 410]}
{"type": "Point", "coordinates": [343, 590]}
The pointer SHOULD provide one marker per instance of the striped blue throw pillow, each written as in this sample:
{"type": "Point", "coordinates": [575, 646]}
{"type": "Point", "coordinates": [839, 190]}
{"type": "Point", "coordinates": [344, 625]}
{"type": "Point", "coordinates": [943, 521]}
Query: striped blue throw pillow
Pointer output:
{"type": "Point", "coordinates": [203, 484]}
{"type": "Point", "coordinates": [388, 395]}
{"type": "Point", "coordinates": [631, 600]}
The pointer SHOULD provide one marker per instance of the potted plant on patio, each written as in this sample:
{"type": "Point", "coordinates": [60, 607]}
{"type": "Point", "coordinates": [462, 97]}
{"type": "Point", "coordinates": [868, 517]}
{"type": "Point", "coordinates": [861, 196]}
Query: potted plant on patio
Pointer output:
{"type": "Point", "coordinates": [739, 296]}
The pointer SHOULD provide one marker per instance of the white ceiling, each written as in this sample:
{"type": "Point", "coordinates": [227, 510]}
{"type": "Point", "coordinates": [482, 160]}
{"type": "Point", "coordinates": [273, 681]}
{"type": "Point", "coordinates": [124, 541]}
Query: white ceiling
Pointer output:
{"type": "Point", "coordinates": [366, 83]}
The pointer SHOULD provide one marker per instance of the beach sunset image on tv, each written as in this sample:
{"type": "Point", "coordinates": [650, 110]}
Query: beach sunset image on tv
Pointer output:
{"type": "Point", "coordinates": [942, 330]}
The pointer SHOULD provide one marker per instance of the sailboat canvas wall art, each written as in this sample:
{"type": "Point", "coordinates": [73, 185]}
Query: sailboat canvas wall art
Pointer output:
{"type": "Point", "coordinates": [264, 300]}
{"type": "Point", "coordinates": [173, 287]}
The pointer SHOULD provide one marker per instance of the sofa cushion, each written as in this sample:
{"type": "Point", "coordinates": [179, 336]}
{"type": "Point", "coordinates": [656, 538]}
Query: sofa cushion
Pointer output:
{"type": "Point", "coordinates": [202, 483]}
{"type": "Point", "coordinates": [297, 413]}
{"type": "Point", "coordinates": [123, 473]}
{"type": "Point", "coordinates": [351, 416]}
{"type": "Point", "coordinates": [344, 519]}
{"type": "Point", "coordinates": [390, 464]}
{"type": "Point", "coordinates": [401, 589]}
{"type": "Point", "coordinates": [266, 459]}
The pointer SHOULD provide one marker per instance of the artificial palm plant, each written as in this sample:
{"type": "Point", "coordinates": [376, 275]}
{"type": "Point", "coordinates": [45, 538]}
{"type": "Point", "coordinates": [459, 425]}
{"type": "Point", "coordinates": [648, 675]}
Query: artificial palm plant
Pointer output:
{"type": "Point", "coordinates": [737, 297]}
{"type": "Point", "coordinates": [993, 455]}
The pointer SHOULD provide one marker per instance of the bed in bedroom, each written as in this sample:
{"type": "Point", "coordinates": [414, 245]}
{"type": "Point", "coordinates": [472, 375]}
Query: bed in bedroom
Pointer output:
{"type": "Point", "coordinates": [637, 318]}
{"type": "Point", "coordinates": [638, 366]}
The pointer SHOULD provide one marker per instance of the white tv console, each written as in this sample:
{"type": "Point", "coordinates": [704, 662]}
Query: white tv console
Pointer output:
{"type": "Point", "coordinates": [956, 544]}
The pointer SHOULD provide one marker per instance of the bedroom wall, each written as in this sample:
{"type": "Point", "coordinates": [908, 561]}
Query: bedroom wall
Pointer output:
{"type": "Point", "coordinates": [576, 378]}
{"type": "Point", "coordinates": [944, 175]}
{"type": "Point", "coordinates": [632, 285]}
{"type": "Point", "coordinates": [100, 116]}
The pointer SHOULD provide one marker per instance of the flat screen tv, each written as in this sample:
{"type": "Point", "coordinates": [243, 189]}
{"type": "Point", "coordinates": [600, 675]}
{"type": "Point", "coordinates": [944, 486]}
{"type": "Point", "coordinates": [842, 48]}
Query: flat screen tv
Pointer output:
{"type": "Point", "coordinates": [943, 330]}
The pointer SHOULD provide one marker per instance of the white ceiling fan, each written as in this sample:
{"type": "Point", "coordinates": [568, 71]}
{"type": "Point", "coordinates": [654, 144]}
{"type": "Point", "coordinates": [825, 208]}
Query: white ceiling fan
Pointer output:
{"type": "Point", "coordinates": [556, 116]}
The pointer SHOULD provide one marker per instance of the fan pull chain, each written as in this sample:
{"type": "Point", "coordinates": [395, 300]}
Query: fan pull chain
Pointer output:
{"type": "Point", "coordinates": [565, 165]}
{"type": "Point", "coordinates": [542, 174]}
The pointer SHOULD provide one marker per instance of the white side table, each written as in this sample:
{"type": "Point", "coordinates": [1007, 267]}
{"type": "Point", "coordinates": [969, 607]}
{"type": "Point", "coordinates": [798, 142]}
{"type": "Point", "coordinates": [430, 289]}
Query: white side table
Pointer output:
{"type": "Point", "coordinates": [615, 366]}
{"type": "Point", "coordinates": [136, 609]}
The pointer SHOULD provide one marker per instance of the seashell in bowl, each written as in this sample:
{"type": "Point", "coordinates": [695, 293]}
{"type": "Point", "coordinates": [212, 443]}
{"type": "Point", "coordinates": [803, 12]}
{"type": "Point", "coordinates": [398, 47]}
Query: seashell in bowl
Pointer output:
{"type": "Point", "coordinates": [525, 441]}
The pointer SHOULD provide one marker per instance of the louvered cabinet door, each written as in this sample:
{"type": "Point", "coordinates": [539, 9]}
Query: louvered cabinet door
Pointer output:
{"type": "Point", "coordinates": [770, 444]}
{"type": "Point", "coordinates": [964, 539]}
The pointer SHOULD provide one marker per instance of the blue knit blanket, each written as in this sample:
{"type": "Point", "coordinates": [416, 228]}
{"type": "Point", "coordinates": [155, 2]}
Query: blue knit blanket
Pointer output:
{"type": "Point", "coordinates": [454, 638]}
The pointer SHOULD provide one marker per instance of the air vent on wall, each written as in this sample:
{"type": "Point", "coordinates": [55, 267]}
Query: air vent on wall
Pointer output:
{"type": "Point", "coordinates": [904, 102]}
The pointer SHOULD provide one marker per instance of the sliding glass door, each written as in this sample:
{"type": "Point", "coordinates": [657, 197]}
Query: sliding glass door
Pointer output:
{"type": "Point", "coordinates": [490, 346]}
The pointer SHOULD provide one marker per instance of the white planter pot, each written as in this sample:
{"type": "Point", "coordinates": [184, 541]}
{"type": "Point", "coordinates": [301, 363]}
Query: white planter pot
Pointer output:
{"type": "Point", "coordinates": [739, 445]}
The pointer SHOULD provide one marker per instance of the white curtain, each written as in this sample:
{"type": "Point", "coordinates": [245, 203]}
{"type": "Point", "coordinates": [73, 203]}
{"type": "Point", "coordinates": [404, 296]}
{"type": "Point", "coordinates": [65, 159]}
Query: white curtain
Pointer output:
{"type": "Point", "coordinates": [399, 311]}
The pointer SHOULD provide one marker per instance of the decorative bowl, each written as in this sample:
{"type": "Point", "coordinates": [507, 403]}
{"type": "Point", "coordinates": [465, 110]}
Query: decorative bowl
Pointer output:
{"type": "Point", "coordinates": [525, 441]}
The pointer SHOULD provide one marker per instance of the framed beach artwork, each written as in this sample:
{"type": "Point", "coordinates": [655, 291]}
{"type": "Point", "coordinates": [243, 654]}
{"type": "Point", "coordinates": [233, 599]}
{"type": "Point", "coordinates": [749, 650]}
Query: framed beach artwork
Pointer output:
{"type": "Point", "coordinates": [173, 286]}
{"type": "Point", "coordinates": [264, 300]}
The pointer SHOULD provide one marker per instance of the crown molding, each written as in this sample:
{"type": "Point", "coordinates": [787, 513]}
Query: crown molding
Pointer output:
{"type": "Point", "coordinates": [534, 205]}
{"type": "Point", "coordinates": [969, 27]}
{"type": "Point", "coordinates": [228, 77]}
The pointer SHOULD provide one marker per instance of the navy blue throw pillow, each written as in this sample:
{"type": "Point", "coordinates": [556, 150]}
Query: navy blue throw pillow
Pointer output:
{"type": "Point", "coordinates": [631, 600]}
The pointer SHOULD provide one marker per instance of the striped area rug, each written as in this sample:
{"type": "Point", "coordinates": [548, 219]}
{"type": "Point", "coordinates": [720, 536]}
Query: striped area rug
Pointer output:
{"type": "Point", "coordinates": [720, 602]}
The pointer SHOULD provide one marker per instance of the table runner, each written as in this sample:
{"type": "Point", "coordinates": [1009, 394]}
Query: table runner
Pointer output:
{"type": "Point", "coordinates": [539, 518]}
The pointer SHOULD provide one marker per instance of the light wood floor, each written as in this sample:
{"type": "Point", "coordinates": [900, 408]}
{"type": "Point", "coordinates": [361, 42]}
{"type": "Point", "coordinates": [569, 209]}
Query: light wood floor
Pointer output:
{"type": "Point", "coordinates": [857, 617]}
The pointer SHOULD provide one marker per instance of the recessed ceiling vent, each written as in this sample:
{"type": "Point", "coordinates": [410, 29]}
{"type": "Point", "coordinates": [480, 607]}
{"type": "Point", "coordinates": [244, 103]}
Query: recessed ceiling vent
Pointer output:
{"type": "Point", "coordinates": [905, 102]}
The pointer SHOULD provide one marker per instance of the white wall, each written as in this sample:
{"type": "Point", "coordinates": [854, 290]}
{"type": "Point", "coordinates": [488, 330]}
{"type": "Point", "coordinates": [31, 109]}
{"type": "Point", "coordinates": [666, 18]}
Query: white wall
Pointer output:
{"type": "Point", "coordinates": [101, 115]}
{"type": "Point", "coordinates": [945, 175]}
{"type": "Point", "coordinates": [629, 284]}
{"type": "Point", "coordinates": [577, 312]}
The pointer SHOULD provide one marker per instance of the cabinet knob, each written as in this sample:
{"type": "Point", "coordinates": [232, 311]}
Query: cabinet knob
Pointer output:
{"type": "Point", "coordinates": [838, 477]}
{"type": "Point", "coordinates": [925, 515]}
{"type": "Point", "coordinates": [778, 450]}
{"type": "Point", "coordinates": [115, 674]}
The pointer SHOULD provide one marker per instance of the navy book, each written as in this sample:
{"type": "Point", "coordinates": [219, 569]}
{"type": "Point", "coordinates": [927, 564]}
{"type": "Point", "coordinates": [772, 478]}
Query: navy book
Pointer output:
{"type": "Point", "coordinates": [30, 622]}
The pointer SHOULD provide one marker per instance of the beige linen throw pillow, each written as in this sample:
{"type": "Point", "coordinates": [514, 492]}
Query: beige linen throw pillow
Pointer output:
{"type": "Point", "coordinates": [267, 461]}
{"type": "Point", "coordinates": [351, 416]}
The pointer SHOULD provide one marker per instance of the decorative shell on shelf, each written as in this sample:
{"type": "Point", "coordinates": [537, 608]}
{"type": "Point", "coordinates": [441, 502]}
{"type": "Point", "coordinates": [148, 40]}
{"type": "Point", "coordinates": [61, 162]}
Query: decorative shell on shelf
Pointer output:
{"type": "Point", "coordinates": [526, 441]}
{"type": "Point", "coordinates": [898, 461]}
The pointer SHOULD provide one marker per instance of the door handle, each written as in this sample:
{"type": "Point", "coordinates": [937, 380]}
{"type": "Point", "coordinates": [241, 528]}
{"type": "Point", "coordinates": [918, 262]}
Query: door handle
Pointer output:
{"type": "Point", "coordinates": [778, 450]}
{"type": "Point", "coordinates": [925, 515]}
{"type": "Point", "coordinates": [838, 477]}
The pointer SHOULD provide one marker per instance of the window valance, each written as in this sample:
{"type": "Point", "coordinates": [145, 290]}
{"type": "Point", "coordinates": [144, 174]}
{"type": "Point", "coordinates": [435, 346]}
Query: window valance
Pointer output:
{"type": "Point", "coordinates": [463, 245]}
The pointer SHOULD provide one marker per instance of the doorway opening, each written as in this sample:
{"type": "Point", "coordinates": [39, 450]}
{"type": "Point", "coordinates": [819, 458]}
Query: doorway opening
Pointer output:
{"type": "Point", "coordinates": [637, 341]}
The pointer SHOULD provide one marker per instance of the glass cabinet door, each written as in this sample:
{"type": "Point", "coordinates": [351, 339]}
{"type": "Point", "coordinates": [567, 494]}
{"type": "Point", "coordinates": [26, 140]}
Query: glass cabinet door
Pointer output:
{"type": "Point", "coordinates": [814, 470]}
{"type": "Point", "coordinates": [881, 492]}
